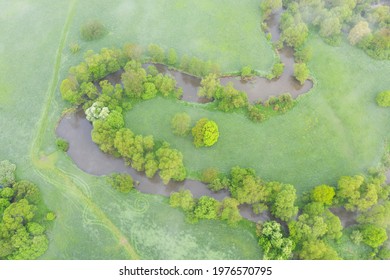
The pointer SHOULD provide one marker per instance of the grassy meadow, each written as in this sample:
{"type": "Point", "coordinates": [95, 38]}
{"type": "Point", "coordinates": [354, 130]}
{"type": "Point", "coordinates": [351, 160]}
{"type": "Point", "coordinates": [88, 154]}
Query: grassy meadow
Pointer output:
{"type": "Point", "coordinates": [336, 129]}
{"type": "Point", "coordinates": [93, 221]}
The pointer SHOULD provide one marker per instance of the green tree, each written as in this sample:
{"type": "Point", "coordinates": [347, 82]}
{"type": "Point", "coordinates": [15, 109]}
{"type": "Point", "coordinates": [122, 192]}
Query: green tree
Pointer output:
{"type": "Point", "coordinates": [93, 30]}
{"type": "Point", "coordinates": [207, 208]}
{"type": "Point", "coordinates": [274, 245]}
{"type": "Point", "coordinates": [132, 51]}
{"type": "Point", "coordinates": [170, 164]}
{"type": "Point", "coordinates": [205, 133]}
{"type": "Point", "coordinates": [317, 250]}
{"type": "Point", "coordinates": [373, 235]}
{"type": "Point", "coordinates": [378, 215]}
{"type": "Point", "coordinates": [358, 32]}
{"type": "Point", "coordinates": [229, 98]}
{"type": "Point", "coordinates": [70, 91]}
{"type": "Point", "coordinates": [27, 190]}
{"type": "Point", "coordinates": [156, 53]}
{"type": "Point", "coordinates": [209, 175]}
{"type": "Point", "coordinates": [301, 72]}
{"type": "Point", "coordinates": [295, 35]}
{"type": "Point", "coordinates": [121, 182]}
{"type": "Point", "coordinates": [182, 199]}
{"type": "Point", "coordinates": [171, 57]}
{"type": "Point", "coordinates": [330, 26]}
{"type": "Point", "coordinates": [210, 85]}
{"type": "Point", "coordinates": [133, 82]}
{"type": "Point", "coordinates": [270, 6]}
{"type": "Point", "coordinates": [150, 91]}
{"type": "Point", "coordinates": [323, 194]}
{"type": "Point", "coordinates": [7, 173]}
{"type": "Point", "coordinates": [283, 206]}
{"type": "Point", "coordinates": [229, 211]}
{"type": "Point", "coordinates": [246, 72]}
{"type": "Point", "coordinates": [181, 123]}
{"type": "Point", "coordinates": [383, 98]}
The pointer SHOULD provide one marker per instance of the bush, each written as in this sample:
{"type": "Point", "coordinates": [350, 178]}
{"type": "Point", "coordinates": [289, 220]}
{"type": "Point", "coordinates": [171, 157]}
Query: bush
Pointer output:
{"type": "Point", "coordinates": [205, 133]}
{"type": "Point", "coordinates": [74, 48]}
{"type": "Point", "coordinates": [50, 216]}
{"type": "Point", "coordinates": [93, 30]}
{"type": "Point", "coordinates": [62, 144]}
{"type": "Point", "coordinates": [255, 114]}
{"type": "Point", "coordinates": [301, 72]}
{"type": "Point", "coordinates": [181, 123]}
{"type": "Point", "coordinates": [121, 182]}
{"type": "Point", "coordinates": [209, 175]}
{"type": "Point", "coordinates": [383, 98]}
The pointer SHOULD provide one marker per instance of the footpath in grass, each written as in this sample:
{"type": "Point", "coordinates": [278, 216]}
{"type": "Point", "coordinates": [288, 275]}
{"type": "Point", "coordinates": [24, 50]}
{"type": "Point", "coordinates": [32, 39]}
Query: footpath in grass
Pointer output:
{"type": "Point", "coordinates": [336, 129]}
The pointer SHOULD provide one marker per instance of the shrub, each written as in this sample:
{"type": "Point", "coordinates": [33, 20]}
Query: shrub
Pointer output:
{"type": "Point", "coordinates": [181, 124]}
{"type": "Point", "coordinates": [62, 144]}
{"type": "Point", "coordinates": [50, 216]}
{"type": "Point", "coordinates": [301, 72]}
{"type": "Point", "coordinates": [383, 98]}
{"type": "Point", "coordinates": [209, 175]}
{"type": "Point", "coordinates": [246, 72]}
{"type": "Point", "coordinates": [93, 30]}
{"type": "Point", "coordinates": [74, 48]}
{"type": "Point", "coordinates": [121, 182]}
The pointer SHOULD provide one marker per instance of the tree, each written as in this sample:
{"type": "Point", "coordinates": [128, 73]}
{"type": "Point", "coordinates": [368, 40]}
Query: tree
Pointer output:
{"type": "Point", "coordinates": [181, 123]}
{"type": "Point", "coordinates": [251, 190]}
{"type": "Point", "coordinates": [205, 133]}
{"type": "Point", "coordinates": [323, 194]}
{"type": "Point", "coordinates": [26, 190]}
{"type": "Point", "coordinates": [171, 57]}
{"type": "Point", "coordinates": [229, 98]}
{"type": "Point", "coordinates": [97, 111]}
{"type": "Point", "coordinates": [277, 71]}
{"type": "Point", "coordinates": [93, 30]}
{"type": "Point", "coordinates": [283, 206]}
{"type": "Point", "coordinates": [317, 250]}
{"type": "Point", "coordinates": [132, 51]}
{"type": "Point", "coordinates": [295, 35]}
{"type": "Point", "coordinates": [170, 164]}
{"type": "Point", "coordinates": [373, 235]}
{"type": "Point", "coordinates": [133, 82]}
{"type": "Point", "coordinates": [256, 114]}
{"type": "Point", "coordinates": [70, 91]}
{"type": "Point", "coordinates": [151, 165]}
{"type": "Point", "coordinates": [378, 215]}
{"type": "Point", "coordinates": [358, 32]}
{"type": "Point", "coordinates": [274, 245]}
{"type": "Point", "coordinates": [383, 98]}
{"type": "Point", "coordinates": [303, 54]}
{"type": "Point", "coordinates": [121, 182]}
{"type": "Point", "coordinates": [219, 184]}
{"type": "Point", "coordinates": [356, 237]}
{"type": "Point", "coordinates": [330, 26]}
{"type": "Point", "coordinates": [209, 175]}
{"type": "Point", "coordinates": [150, 91]}
{"type": "Point", "coordinates": [207, 208]}
{"type": "Point", "coordinates": [301, 72]}
{"type": "Point", "coordinates": [210, 85]}
{"type": "Point", "coordinates": [270, 6]}
{"type": "Point", "coordinates": [7, 173]}
{"type": "Point", "coordinates": [246, 72]}
{"type": "Point", "coordinates": [229, 211]}
{"type": "Point", "coordinates": [182, 199]}
{"type": "Point", "coordinates": [103, 133]}
{"type": "Point", "coordinates": [156, 53]}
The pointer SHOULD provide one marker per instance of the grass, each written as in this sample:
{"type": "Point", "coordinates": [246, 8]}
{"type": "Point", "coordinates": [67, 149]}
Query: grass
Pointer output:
{"type": "Point", "coordinates": [336, 129]}
{"type": "Point", "coordinates": [93, 221]}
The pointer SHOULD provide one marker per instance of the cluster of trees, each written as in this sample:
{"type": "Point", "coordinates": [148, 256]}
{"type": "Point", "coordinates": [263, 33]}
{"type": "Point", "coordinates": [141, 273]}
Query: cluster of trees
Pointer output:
{"type": "Point", "coordinates": [279, 104]}
{"type": "Point", "coordinates": [192, 65]}
{"type": "Point", "coordinates": [206, 207]}
{"type": "Point", "coordinates": [316, 226]}
{"type": "Point", "coordinates": [367, 26]}
{"type": "Point", "coordinates": [78, 88]}
{"type": "Point", "coordinates": [141, 152]}
{"type": "Point", "coordinates": [273, 242]}
{"type": "Point", "coordinates": [205, 133]}
{"type": "Point", "coordinates": [227, 98]}
{"type": "Point", "coordinates": [141, 84]}
{"type": "Point", "coordinates": [22, 226]}
{"type": "Point", "coordinates": [247, 188]}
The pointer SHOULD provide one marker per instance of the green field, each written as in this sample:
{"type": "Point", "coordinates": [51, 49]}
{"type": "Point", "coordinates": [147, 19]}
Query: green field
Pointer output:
{"type": "Point", "coordinates": [336, 129]}
{"type": "Point", "coordinates": [93, 221]}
